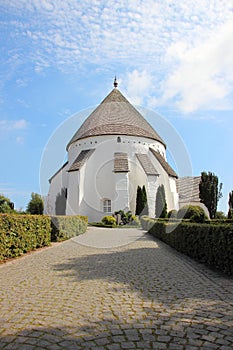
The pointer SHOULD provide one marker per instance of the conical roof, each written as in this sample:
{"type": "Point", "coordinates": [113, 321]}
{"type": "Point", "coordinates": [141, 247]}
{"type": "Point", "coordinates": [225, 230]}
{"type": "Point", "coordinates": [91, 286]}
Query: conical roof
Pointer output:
{"type": "Point", "coordinates": [115, 116]}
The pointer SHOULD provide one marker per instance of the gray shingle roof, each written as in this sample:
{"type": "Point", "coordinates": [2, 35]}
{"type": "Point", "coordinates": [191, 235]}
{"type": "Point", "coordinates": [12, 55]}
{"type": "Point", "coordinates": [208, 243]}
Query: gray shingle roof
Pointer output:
{"type": "Point", "coordinates": [121, 164]}
{"type": "Point", "coordinates": [81, 159]}
{"type": "Point", "coordinates": [188, 188]}
{"type": "Point", "coordinates": [147, 164]}
{"type": "Point", "coordinates": [115, 116]}
{"type": "Point", "coordinates": [164, 164]}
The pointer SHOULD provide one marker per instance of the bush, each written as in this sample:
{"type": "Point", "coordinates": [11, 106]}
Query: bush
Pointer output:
{"type": "Point", "coordinates": [109, 220]}
{"type": "Point", "coordinates": [20, 234]}
{"type": "Point", "coordinates": [6, 206]}
{"type": "Point", "coordinates": [192, 212]}
{"type": "Point", "coordinates": [36, 205]}
{"type": "Point", "coordinates": [65, 227]}
{"type": "Point", "coordinates": [211, 244]}
{"type": "Point", "coordinates": [134, 220]}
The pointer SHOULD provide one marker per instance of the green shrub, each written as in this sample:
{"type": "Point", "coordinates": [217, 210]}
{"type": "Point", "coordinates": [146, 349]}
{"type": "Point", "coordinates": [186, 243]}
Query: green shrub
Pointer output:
{"type": "Point", "coordinates": [22, 233]}
{"type": "Point", "coordinates": [109, 220]}
{"type": "Point", "coordinates": [65, 227]}
{"type": "Point", "coordinates": [211, 243]}
{"type": "Point", "coordinates": [134, 220]}
{"type": "Point", "coordinates": [192, 212]}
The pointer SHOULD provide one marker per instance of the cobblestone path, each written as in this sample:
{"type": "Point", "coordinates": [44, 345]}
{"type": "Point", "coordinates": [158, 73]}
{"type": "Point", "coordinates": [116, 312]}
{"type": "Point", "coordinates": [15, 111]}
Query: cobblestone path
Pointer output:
{"type": "Point", "coordinates": [137, 296]}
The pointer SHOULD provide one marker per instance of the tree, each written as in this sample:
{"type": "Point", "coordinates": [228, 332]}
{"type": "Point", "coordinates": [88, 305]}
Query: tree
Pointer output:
{"type": "Point", "coordinates": [210, 192]}
{"type": "Point", "coordinates": [6, 206]}
{"type": "Point", "coordinates": [36, 205]}
{"type": "Point", "coordinates": [145, 210]}
{"type": "Point", "coordinates": [160, 203]}
{"type": "Point", "coordinates": [141, 201]}
{"type": "Point", "coordinates": [230, 202]}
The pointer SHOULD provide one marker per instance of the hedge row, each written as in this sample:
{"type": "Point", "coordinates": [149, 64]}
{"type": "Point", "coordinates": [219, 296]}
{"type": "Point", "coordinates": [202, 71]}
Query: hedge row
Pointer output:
{"type": "Point", "coordinates": [211, 244]}
{"type": "Point", "coordinates": [65, 227]}
{"type": "Point", "coordinates": [20, 234]}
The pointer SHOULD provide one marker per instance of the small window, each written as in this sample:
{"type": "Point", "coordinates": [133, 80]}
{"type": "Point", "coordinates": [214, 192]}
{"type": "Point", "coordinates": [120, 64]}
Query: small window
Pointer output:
{"type": "Point", "coordinates": [118, 139]}
{"type": "Point", "coordinates": [107, 207]}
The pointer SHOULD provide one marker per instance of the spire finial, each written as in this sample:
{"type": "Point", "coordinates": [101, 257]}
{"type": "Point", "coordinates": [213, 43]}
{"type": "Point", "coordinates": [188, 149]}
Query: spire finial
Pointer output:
{"type": "Point", "coordinates": [115, 82]}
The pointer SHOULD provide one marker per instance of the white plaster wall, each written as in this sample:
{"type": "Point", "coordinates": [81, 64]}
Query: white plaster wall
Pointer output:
{"type": "Point", "coordinates": [152, 186]}
{"type": "Point", "coordinates": [96, 180]}
{"type": "Point", "coordinates": [121, 201]}
{"type": "Point", "coordinates": [73, 195]}
{"type": "Point", "coordinates": [59, 181]}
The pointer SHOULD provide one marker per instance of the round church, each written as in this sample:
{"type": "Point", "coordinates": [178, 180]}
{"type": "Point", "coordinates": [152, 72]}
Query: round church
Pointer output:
{"type": "Point", "coordinates": [113, 152]}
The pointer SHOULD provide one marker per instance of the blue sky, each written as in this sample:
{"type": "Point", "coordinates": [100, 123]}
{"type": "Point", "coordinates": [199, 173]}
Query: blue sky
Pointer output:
{"type": "Point", "coordinates": [60, 57]}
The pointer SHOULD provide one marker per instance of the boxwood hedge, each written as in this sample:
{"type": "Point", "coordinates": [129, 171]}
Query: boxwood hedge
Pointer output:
{"type": "Point", "coordinates": [65, 227]}
{"type": "Point", "coordinates": [208, 243]}
{"type": "Point", "coordinates": [20, 234]}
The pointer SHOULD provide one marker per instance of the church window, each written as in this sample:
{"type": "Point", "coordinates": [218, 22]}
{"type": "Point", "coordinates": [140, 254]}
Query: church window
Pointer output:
{"type": "Point", "coordinates": [107, 206]}
{"type": "Point", "coordinates": [118, 139]}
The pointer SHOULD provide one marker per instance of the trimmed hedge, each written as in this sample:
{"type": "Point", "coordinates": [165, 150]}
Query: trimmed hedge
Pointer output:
{"type": "Point", "coordinates": [65, 227]}
{"type": "Point", "coordinates": [21, 233]}
{"type": "Point", "coordinates": [210, 244]}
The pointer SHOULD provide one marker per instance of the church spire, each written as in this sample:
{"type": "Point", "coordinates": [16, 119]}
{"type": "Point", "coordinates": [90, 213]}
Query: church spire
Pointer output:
{"type": "Point", "coordinates": [115, 82]}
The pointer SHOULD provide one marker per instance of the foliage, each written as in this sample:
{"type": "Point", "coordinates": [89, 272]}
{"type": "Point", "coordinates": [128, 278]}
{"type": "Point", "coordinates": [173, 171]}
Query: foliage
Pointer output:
{"type": "Point", "coordinates": [22, 233]}
{"type": "Point", "coordinates": [230, 201]}
{"type": "Point", "coordinates": [124, 217]}
{"type": "Point", "coordinates": [109, 220]}
{"type": "Point", "coordinates": [60, 204]}
{"type": "Point", "coordinates": [141, 201]}
{"type": "Point", "coordinates": [220, 215]}
{"type": "Point", "coordinates": [211, 244]}
{"type": "Point", "coordinates": [65, 227]}
{"type": "Point", "coordinates": [36, 205]}
{"type": "Point", "coordinates": [134, 220]}
{"type": "Point", "coordinates": [192, 212]}
{"type": "Point", "coordinates": [210, 192]}
{"type": "Point", "coordinates": [160, 203]}
{"type": "Point", "coordinates": [145, 204]}
{"type": "Point", "coordinates": [6, 206]}
{"type": "Point", "coordinates": [172, 214]}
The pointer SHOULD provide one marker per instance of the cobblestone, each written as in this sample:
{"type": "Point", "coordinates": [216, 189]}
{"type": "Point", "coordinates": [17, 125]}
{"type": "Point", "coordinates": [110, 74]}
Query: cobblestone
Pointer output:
{"type": "Point", "coordinates": [141, 295]}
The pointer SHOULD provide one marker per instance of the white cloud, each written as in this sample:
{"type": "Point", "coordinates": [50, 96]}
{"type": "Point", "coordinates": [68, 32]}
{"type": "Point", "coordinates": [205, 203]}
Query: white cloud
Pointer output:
{"type": "Point", "coordinates": [138, 86]}
{"type": "Point", "coordinates": [14, 128]}
{"type": "Point", "coordinates": [9, 125]}
{"type": "Point", "coordinates": [202, 76]}
{"type": "Point", "coordinates": [146, 37]}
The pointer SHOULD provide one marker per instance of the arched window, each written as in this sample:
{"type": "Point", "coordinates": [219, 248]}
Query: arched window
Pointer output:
{"type": "Point", "coordinates": [107, 206]}
{"type": "Point", "coordinates": [118, 139]}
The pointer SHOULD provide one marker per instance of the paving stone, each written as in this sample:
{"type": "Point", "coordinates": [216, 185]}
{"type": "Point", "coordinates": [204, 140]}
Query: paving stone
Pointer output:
{"type": "Point", "coordinates": [142, 295]}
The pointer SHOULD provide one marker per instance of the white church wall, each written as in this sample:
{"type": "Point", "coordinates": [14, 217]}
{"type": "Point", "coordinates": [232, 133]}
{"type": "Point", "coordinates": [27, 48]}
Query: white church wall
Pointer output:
{"type": "Point", "coordinates": [137, 177]}
{"type": "Point", "coordinates": [58, 182]}
{"type": "Point", "coordinates": [96, 180]}
{"type": "Point", "coordinates": [73, 194]}
{"type": "Point", "coordinates": [152, 186]}
{"type": "Point", "coordinates": [121, 201]}
{"type": "Point", "coordinates": [174, 193]}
